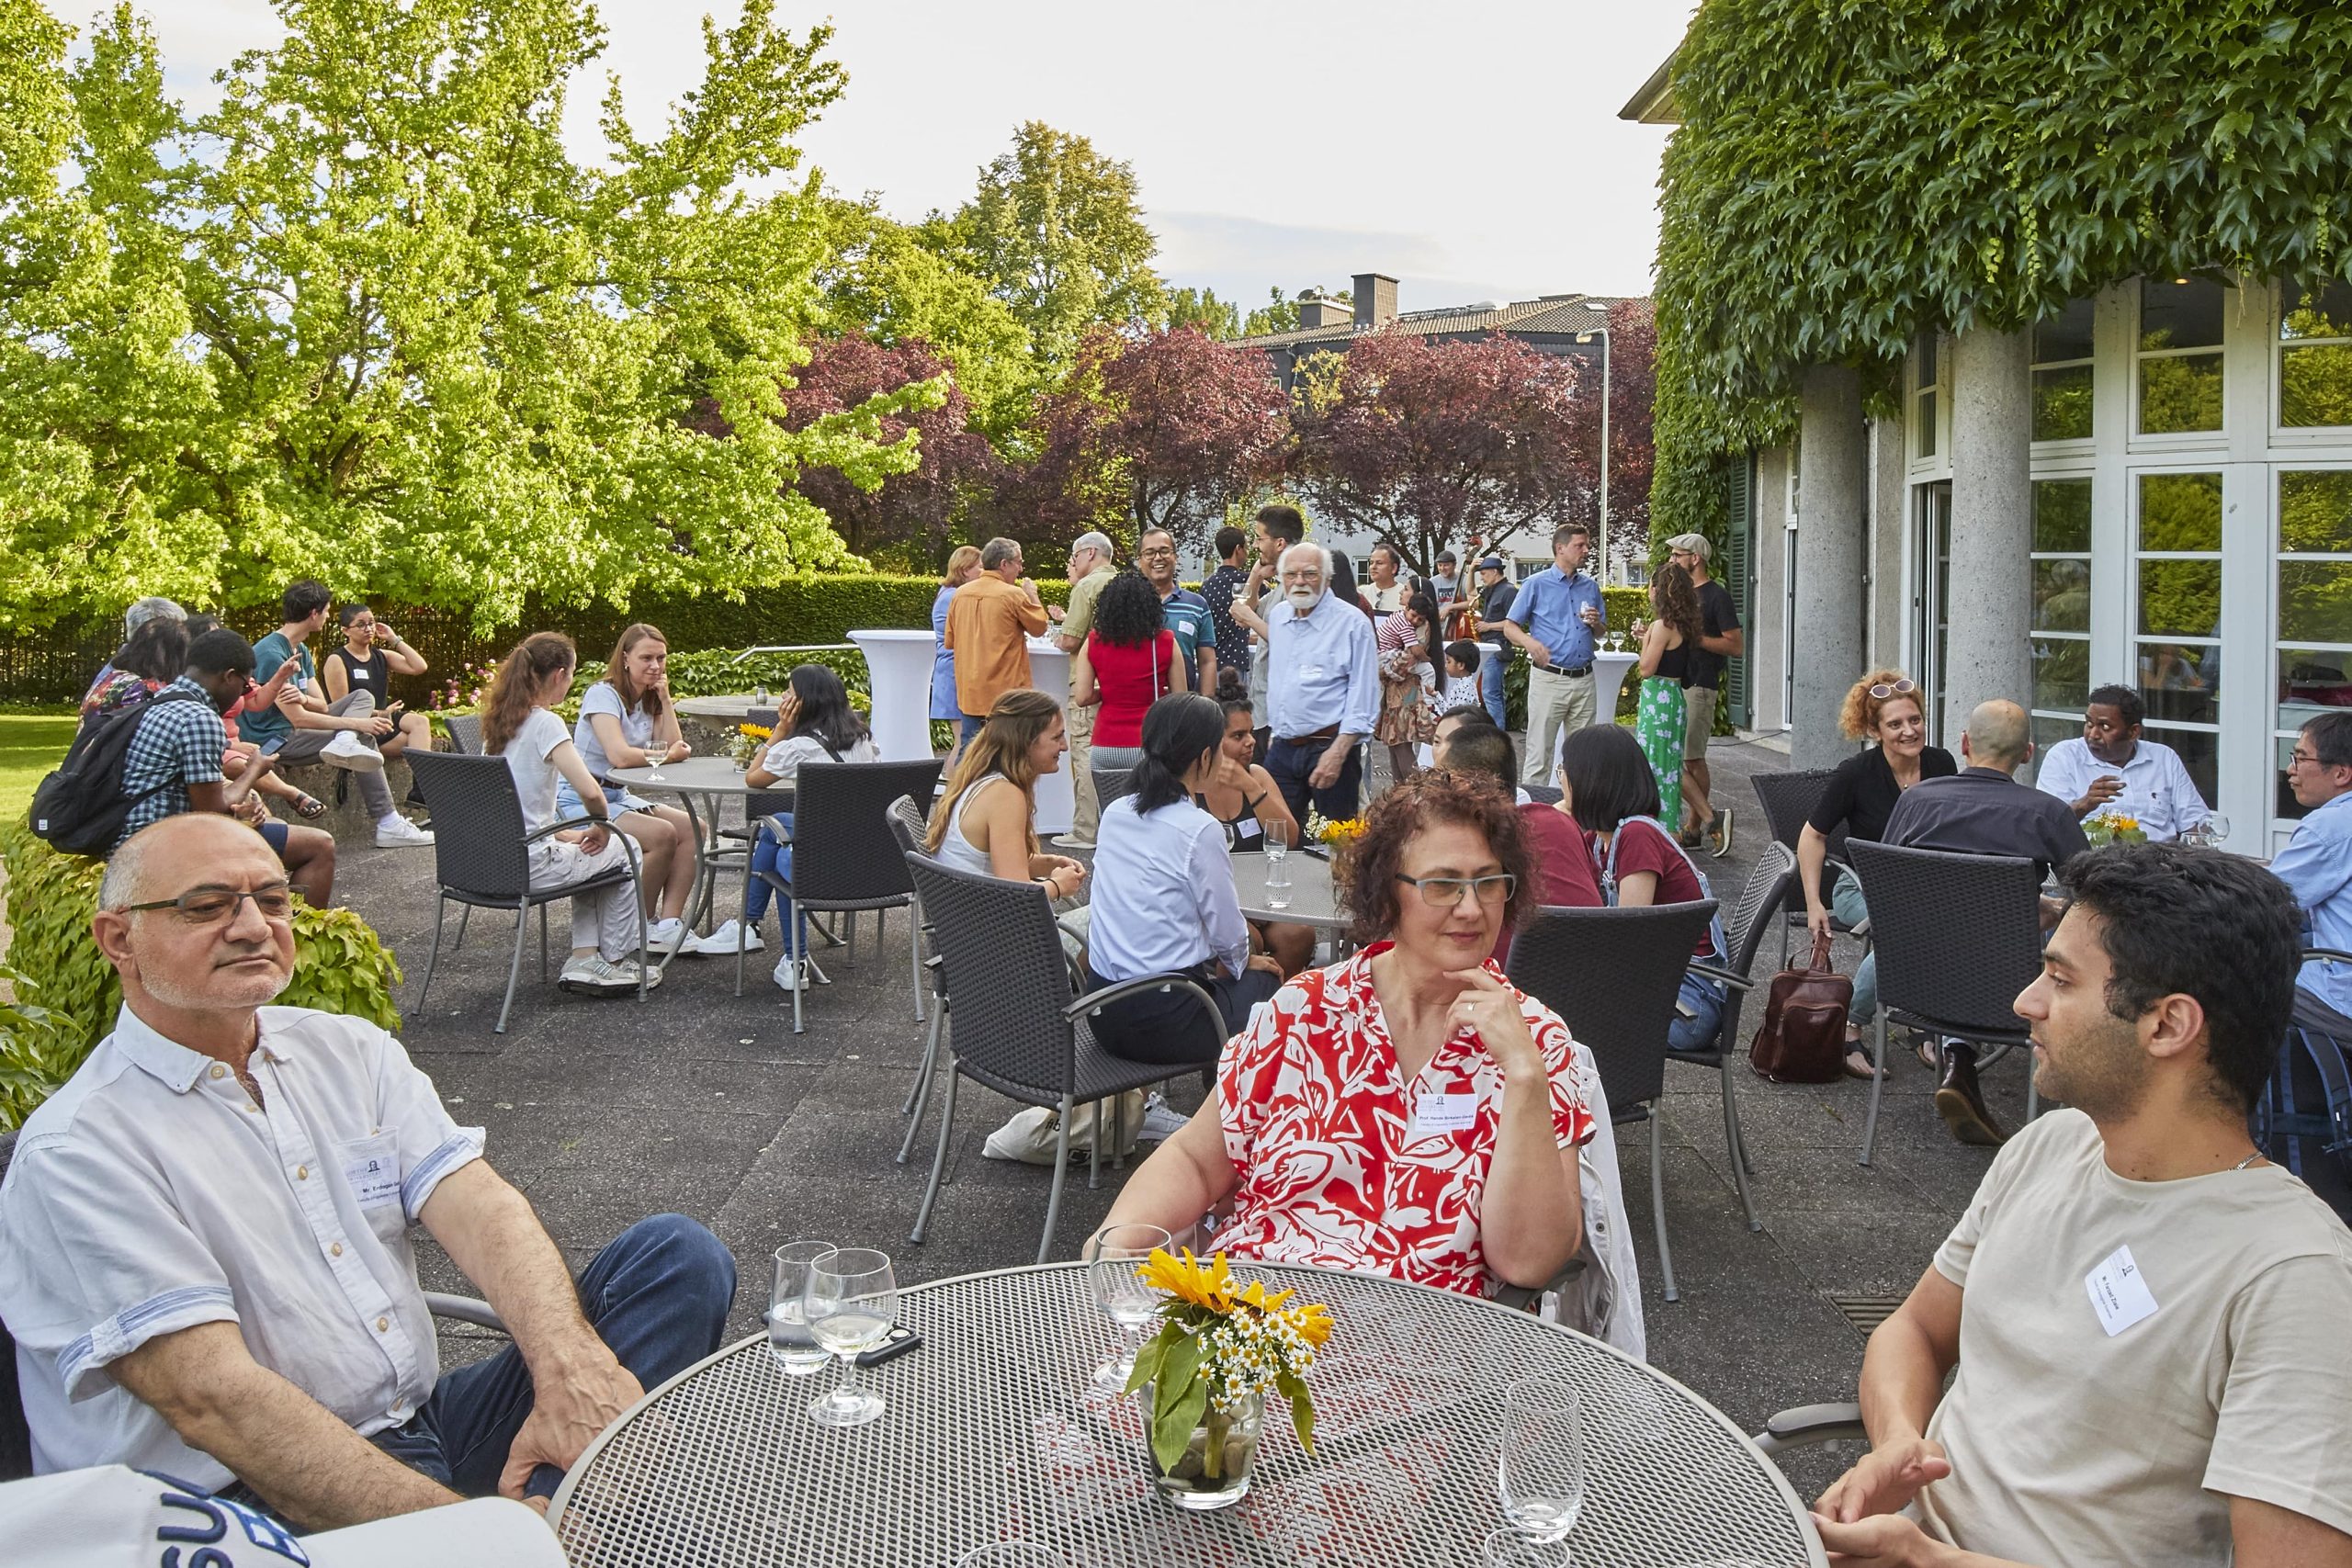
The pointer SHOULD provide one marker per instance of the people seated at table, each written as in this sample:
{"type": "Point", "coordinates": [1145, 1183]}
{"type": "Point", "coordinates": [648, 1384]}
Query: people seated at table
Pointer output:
{"type": "Point", "coordinates": [985, 822]}
{"type": "Point", "coordinates": [1406, 641]}
{"type": "Point", "coordinates": [1405, 1111]}
{"type": "Point", "coordinates": [1128, 662]}
{"type": "Point", "coordinates": [1242, 798]}
{"type": "Point", "coordinates": [630, 720]}
{"type": "Point", "coordinates": [371, 654]}
{"type": "Point", "coordinates": [2113, 770]}
{"type": "Point", "coordinates": [520, 724]}
{"type": "Point", "coordinates": [150, 659]}
{"type": "Point", "coordinates": [1608, 785]}
{"type": "Point", "coordinates": [2142, 1318]}
{"type": "Point", "coordinates": [1563, 866]}
{"type": "Point", "coordinates": [814, 723]}
{"type": "Point", "coordinates": [1883, 706]}
{"type": "Point", "coordinates": [963, 565]}
{"type": "Point", "coordinates": [1163, 900]}
{"type": "Point", "coordinates": [205, 1251]}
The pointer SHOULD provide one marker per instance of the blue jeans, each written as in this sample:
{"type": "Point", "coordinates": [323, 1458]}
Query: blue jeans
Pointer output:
{"type": "Point", "coordinates": [769, 855]}
{"type": "Point", "coordinates": [972, 723]}
{"type": "Point", "coordinates": [1846, 903]}
{"type": "Point", "coordinates": [1704, 998]}
{"type": "Point", "coordinates": [1290, 763]}
{"type": "Point", "coordinates": [1490, 685]}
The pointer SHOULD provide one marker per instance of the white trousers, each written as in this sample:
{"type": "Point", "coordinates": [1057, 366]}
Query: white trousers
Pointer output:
{"type": "Point", "coordinates": [605, 920]}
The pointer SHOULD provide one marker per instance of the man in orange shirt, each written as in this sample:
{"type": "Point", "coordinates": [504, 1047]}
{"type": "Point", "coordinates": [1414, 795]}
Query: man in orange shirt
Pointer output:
{"type": "Point", "coordinates": [990, 623]}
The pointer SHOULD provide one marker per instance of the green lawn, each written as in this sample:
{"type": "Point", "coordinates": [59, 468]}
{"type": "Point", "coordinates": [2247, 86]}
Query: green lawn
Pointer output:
{"type": "Point", "coordinates": [30, 745]}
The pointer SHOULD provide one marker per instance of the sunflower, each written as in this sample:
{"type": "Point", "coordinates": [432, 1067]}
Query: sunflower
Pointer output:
{"type": "Point", "coordinates": [1188, 1281]}
{"type": "Point", "coordinates": [1312, 1321]}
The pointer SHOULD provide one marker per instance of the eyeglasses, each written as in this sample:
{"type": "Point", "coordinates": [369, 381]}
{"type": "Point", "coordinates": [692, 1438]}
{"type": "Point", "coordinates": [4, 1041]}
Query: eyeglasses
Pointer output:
{"type": "Point", "coordinates": [1902, 688]}
{"type": "Point", "coordinates": [1156, 553]}
{"type": "Point", "coordinates": [210, 906]}
{"type": "Point", "coordinates": [2302, 757]}
{"type": "Point", "coordinates": [1446, 892]}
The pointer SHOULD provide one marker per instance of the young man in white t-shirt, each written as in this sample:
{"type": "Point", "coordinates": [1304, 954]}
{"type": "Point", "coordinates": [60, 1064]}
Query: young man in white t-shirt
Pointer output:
{"type": "Point", "coordinates": [2148, 1317]}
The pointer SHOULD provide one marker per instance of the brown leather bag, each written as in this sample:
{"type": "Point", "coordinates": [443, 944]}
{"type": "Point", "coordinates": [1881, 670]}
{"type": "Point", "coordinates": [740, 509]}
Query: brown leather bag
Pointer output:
{"type": "Point", "coordinates": [1802, 1038]}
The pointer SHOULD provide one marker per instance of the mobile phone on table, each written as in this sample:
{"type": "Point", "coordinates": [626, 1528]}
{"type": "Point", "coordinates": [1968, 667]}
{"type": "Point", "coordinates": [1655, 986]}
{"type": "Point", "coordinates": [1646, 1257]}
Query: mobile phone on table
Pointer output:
{"type": "Point", "coordinates": [898, 1342]}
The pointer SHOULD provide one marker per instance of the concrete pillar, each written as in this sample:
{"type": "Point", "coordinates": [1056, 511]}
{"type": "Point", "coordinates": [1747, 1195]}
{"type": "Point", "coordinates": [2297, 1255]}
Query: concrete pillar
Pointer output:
{"type": "Point", "coordinates": [1832, 473]}
{"type": "Point", "coordinates": [1991, 525]}
{"type": "Point", "coordinates": [1884, 644]}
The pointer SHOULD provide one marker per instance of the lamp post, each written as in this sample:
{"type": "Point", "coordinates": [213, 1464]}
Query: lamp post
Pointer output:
{"type": "Point", "coordinates": [1586, 336]}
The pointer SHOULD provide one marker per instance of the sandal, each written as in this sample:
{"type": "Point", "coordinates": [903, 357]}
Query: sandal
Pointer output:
{"type": "Point", "coordinates": [1858, 1065]}
{"type": "Point", "coordinates": [309, 807]}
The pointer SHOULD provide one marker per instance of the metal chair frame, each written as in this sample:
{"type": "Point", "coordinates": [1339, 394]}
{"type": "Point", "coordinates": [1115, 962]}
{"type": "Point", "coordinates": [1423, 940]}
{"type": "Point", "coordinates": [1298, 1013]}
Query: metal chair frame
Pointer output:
{"type": "Point", "coordinates": [1751, 915]}
{"type": "Point", "coordinates": [1788, 799]}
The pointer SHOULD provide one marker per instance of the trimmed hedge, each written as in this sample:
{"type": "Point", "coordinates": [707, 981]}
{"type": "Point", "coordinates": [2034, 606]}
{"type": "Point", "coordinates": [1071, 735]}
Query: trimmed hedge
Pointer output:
{"type": "Point", "coordinates": [67, 993]}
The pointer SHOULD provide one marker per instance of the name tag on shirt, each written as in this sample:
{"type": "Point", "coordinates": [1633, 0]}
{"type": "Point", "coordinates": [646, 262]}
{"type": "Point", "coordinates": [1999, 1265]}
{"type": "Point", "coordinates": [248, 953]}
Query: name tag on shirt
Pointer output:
{"type": "Point", "coordinates": [1438, 1113]}
{"type": "Point", "coordinates": [1248, 828]}
{"type": "Point", "coordinates": [372, 1166]}
{"type": "Point", "coordinates": [2119, 1294]}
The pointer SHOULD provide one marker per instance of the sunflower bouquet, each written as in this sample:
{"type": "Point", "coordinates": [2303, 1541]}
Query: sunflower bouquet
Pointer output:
{"type": "Point", "coordinates": [1330, 834]}
{"type": "Point", "coordinates": [747, 740]}
{"type": "Point", "coordinates": [1224, 1346]}
{"type": "Point", "coordinates": [2115, 828]}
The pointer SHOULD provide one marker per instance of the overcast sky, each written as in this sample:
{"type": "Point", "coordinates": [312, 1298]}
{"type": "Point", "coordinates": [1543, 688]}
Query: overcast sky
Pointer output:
{"type": "Point", "coordinates": [1472, 150]}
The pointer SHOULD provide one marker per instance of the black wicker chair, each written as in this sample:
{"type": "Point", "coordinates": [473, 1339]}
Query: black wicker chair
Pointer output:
{"type": "Point", "coordinates": [1788, 799]}
{"type": "Point", "coordinates": [1751, 915]}
{"type": "Point", "coordinates": [1958, 936]}
{"type": "Point", "coordinates": [1612, 975]}
{"type": "Point", "coordinates": [1014, 1024]}
{"type": "Point", "coordinates": [843, 856]}
{"type": "Point", "coordinates": [1542, 794]}
{"type": "Point", "coordinates": [465, 733]}
{"type": "Point", "coordinates": [17, 1439]}
{"type": "Point", "coordinates": [908, 827]}
{"type": "Point", "coordinates": [482, 857]}
{"type": "Point", "coordinates": [1111, 784]}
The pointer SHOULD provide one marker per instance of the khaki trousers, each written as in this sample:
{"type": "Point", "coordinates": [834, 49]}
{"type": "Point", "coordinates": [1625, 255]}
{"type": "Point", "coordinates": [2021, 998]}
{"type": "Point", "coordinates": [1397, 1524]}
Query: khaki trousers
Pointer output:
{"type": "Point", "coordinates": [1554, 701]}
{"type": "Point", "coordinates": [1086, 814]}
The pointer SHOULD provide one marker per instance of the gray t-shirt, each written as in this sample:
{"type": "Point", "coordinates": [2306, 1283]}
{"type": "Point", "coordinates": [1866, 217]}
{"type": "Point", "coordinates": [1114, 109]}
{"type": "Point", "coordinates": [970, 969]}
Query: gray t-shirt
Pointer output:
{"type": "Point", "coordinates": [535, 776]}
{"type": "Point", "coordinates": [637, 727]}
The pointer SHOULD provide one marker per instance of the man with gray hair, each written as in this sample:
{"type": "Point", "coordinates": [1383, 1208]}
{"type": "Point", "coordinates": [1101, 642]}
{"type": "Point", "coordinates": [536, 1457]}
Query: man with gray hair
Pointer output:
{"type": "Point", "coordinates": [990, 623]}
{"type": "Point", "coordinates": [1322, 688]}
{"type": "Point", "coordinates": [1092, 563]}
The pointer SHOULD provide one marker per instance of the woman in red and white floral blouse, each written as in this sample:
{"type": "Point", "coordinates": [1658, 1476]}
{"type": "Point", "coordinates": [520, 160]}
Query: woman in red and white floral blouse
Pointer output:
{"type": "Point", "coordinates": [1405, 1111]}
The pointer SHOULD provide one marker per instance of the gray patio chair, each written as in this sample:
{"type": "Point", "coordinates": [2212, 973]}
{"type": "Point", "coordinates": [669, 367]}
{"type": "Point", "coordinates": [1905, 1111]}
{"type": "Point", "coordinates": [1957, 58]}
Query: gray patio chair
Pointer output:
{"type": "Point", "coordinates": [1958, 936]}
{"type": "Point", "coordinates": [1612, 975]}
{"type": "Point", "coordinates": [1013, 1023]}
{"type": "Point", "coordinates": [844, 858]}
{"type": "Point", "coordinates": [465, 733]}
{"type": "Point", "coordinates": [481, 858]}
{"type": "Point", "coordinates": [1542, 794]}
{"type": "Point", "coordinates": [15, 1437]}
{"type": "Point", "coordinates": [906, 826]}
{"type": "Point", "coordinates": [1810, 1426]}
{"type": "Point", "coordinates": [1788, 799]}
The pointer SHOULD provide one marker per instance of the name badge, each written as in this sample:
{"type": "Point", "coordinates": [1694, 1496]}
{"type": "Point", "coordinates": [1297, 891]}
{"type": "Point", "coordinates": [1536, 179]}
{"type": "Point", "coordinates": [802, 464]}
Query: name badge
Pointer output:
{"type": "Point", "coordinates": [1438, 1113]}
{"type": "Point", "coordinates": [2118, 1293]}
{"type": "Point", "coordinates": [1248, 828]}
{"type": "Point", "coordinates": [372, 1166]}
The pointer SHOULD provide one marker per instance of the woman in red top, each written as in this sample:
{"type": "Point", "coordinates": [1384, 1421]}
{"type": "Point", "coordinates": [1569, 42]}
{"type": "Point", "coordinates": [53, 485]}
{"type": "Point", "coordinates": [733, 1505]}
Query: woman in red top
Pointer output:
{"type": "Point", "coordinates": [1405, 1111]}
{"type": "Point", "coordinates": [1128, 663]}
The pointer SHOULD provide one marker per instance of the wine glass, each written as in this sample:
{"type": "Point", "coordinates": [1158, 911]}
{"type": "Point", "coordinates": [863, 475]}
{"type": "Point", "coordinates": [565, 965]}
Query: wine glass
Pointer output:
{"type": "Point", "coordinates": [795, 1349]}
{"type": "Point", "coordinates": [1277, 853]}
{"type": "Point", "coordinates": [1126, 1300]}
{"type": "Point", "coordinates": [1540, 1478]}
{"type": "Point", "coordinates": [853, 1300]}
{"type": "Point", "coordinates": [2214, 830]}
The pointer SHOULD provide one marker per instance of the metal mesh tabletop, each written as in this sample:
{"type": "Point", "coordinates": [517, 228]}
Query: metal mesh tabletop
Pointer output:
{"type": "Point", "coordinates": [1312, 902]}
{"type": "Point", "coordinates": [990, 1434]}
{"type": "Point", "coordinates": [695, 775]}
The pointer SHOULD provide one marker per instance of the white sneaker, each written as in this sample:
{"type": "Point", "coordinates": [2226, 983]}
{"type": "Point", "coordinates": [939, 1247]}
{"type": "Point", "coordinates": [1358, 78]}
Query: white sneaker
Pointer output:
{"type": "Point", "coordinates": [1071, 841]}
{"type": "Point", "coordinates": [1161, 1119]}
{"type": "Point", "coordinates": [399, 833]}
{"type": "Point", "coordinates": [598, 975]}
{"type": "Point", "coordinates": [782, 974]}
{"type": "Point", "coordinates": [347, 751]}
{"type": "Point", "coordinates": [727, 939]}
{"type": "Point", "coordinates": [666, 936]}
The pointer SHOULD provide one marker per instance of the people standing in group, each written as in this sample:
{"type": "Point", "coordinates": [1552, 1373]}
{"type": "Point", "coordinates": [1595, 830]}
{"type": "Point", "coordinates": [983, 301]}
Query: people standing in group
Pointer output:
{"type": "Point", "coordinates": [371, 654]}
{"type": "Point", "coordinates": [1720, 639]}
{"type": "Point", "coordinates": [1163, 900]}
{"type": "Point", "coordinates": [1559, 618]}
{"type": "Point", "coordinates": [302, 726]}
{"type": "Point", "coordinates": [1444, 585]}
{"type": "Point", "coordinates": [989, 831]}
{"type": "Point", "coordinates": [1407, 641]}
{"type": "Point", "coordinates": [1344, 587]}
{"type": "Point", "coordinates": [1386, 593]}
{"type": "Point", "coordinates": [1130, 660]}
{"type": "Point", "coordinates": [1241, 795]}
{"type": "Point", "coordinates": [1670, 642]}
{"type": "Point", "coordinates": [2113, 770]}
{"type": "Point", "coordinates": [814, 723]}
{"type": "Point", "coordinates": [1093, 564]}
{"type": "Point", "coordinates": [520, 724]}
{"type": "Point", "coordinates": [1186, 611]}
{"type": "Point", "coordinates": [1490, 610]}
{"type": "Point", "coordinates": [1275, 529]}
{"type": "Point", "coordinates": [630, 720]}
{"type": "Point", "coordinates": [1861, 794]}
{"type": "Point", "coordinates": [1217, 589]}
{"type": "Point", "coordinates": [990, 623]}
{"type": "Point", "coordinates": [963, 564]}
{"type": "Point", "coordinates": [1322, 687]}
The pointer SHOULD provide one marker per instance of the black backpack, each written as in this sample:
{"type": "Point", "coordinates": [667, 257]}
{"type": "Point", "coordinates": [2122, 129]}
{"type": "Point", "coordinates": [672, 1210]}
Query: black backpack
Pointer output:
{"type": "Point", "coordinates": [81, 808]}
{"type": "Point", "coordinates": [2303, 1120]}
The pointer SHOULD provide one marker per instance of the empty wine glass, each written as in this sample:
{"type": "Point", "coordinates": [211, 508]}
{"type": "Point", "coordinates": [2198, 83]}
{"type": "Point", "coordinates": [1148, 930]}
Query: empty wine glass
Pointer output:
{"type": "Point", "coordinates": [2215, 830]}
{"type": "Point", "coordinates": [1540, 1477]}
{"type": "Point", "coordinates": [853, 1300]}
{"type": "Point", "coordinates": [1126, 1300]}
{"type": "Point", "coordinates": [789, 1341]}
{"type": "Point", "coordinates": [1509, 1548]}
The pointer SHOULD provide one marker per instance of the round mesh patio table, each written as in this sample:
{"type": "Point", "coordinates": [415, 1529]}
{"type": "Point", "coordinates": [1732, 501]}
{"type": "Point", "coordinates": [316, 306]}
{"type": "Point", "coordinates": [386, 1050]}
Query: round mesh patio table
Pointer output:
{"type": "Point", "coordinates": [990, 1434]}
{"type": "Point", "coordinates": [1313, 900]}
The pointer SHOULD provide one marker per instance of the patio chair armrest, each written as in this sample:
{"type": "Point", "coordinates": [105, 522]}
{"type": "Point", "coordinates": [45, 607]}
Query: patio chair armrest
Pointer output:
{"type": "Point", "coordinates": [565, 825]}
{"type": "Point", "coordinates": [1126, 988]}
{"type": "Point", "coordinates": [1806, 1426]}
{"type": "Point", "coordinates": [1715, 972]}
{"type": "Point", "coordinates": [464, 1309]}
{"type": "Point", "coordinates": [2335, 952]}
{"type": "Point", "coordinates": [775, 823]}
{"type": "Point", "coordinates": [1530, 1298]}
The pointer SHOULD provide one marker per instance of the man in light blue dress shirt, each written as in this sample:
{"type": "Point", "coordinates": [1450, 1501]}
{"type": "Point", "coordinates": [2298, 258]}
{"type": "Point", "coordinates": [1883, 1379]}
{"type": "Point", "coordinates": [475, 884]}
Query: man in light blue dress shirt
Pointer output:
{"type": "Point", "coordinates": [1322, 688]}
{"type": "Point", "coordinates": [2112, 771]}
{"type": "Point", "coordinates": [2316, 866]}
{"type": "Point", "coordinates": [1559, 618]}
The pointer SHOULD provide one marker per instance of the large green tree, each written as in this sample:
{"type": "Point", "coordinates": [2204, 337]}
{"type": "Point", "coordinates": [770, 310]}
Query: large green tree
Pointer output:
{"type": "Point", "coordinates": [371, 320]}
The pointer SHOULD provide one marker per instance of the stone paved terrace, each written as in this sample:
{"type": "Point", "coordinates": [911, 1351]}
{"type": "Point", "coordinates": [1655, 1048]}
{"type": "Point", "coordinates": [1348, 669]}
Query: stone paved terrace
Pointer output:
{"type": "Point", "coordinates": [602, 1112]}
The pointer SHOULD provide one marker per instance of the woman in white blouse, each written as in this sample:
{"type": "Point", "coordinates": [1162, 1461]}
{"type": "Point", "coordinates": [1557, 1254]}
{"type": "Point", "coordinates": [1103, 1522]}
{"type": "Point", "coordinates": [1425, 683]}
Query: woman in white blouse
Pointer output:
{"type": "Point", "coordinates": [1163, 899]}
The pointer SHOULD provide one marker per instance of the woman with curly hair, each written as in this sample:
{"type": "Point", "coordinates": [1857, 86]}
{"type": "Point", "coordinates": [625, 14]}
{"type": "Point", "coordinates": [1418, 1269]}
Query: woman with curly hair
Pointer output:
{"type": "Point", "coordinates": [1660, 716]}
{"type": "Point", "coordinates": [1128, 662]}
{"type": "Point", "coordinates": [1405, 1111]}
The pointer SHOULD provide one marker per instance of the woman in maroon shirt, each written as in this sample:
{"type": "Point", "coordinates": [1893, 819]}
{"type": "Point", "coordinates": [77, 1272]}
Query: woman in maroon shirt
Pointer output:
{"type": "Point", "coordinates": [1129, 662]}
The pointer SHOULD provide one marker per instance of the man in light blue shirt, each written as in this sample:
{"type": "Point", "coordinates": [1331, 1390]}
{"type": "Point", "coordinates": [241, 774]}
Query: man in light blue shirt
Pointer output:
{"type": "Point", "coordinates": [1559, 618]}
{"type": "Point", "coordinates": [2316, 866]}
{"type": "Point", "coordinates": [1322, 688]}
{"type": "Point", "coordinates": [2111, 771]}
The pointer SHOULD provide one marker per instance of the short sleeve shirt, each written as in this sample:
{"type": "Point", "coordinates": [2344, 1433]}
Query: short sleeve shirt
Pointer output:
{"type": "Point", "coordinates": [264, 722]}
{"type": "Point", "coordinates": [536, 779]}
{"type": "Point", "coordinates": [1861, 794]}
{"type": "Point", "coordinates": [1321, 1128]}
{"type": "Point", "coordinates": [1642, 845]}
{"type": "Point", "coordinates": [178, 743]}
{"type": "Point", "coordinates": [1232, 636]}
{"type": "Point", "coordinates": [1079, 618]}
{"type": "Point", "coordinates": [1187, 614]}
{"type": "Point", "coordinates": [1718, 616]}
{"type": "Point", "coordinates": [636, 727]}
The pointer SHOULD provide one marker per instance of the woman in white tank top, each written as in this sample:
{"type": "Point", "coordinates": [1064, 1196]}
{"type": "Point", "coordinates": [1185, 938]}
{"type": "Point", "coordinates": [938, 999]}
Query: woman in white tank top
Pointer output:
{"type": "Point", "coordinates": [981, 828]}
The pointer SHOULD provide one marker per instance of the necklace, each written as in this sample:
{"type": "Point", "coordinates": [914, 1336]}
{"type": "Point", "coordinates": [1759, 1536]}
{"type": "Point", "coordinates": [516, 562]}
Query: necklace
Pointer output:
{"type": "Point", "coordinates": [2247, 1161]}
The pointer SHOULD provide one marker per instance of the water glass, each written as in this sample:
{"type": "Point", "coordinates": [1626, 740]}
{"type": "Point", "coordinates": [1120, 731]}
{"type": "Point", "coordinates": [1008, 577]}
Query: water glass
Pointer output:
{"type": "Point", "coordinates": [795, 1349]}
{"type": "Point", "coordinates": [1509, 1548]}
{"type": "Point", "coordinates": [1130, 1304]}
{"type": "Point", "coordinates": [1540, 1477]}
{"type": "Point", "coordinates": [1277, 870]}
{"type": "Point", "coordinates": [852, 1300]}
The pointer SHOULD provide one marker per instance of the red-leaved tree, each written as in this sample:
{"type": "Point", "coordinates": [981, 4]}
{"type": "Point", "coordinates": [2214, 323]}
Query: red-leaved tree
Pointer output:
{"type": "Point", "coordinates": [1425, 443]}
{"type": "Point", "coordinates": [1633, 451]}
{"type": "Point", "coordinates": [910, 515]}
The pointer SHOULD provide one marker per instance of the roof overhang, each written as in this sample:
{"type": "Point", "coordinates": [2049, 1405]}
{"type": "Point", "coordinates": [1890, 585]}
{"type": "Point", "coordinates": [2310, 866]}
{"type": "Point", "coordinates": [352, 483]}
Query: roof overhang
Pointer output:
{"type": "Point", "coordinates": [1653, 104]}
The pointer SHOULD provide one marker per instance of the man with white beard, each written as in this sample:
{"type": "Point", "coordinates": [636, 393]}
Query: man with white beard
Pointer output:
{"type": "Point", "coordinates": [1322, 688]}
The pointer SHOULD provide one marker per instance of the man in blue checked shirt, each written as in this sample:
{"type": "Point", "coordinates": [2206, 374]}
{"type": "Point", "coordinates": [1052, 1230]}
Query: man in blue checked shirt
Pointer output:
{"type": "Point", "coordinates": [1322, 688]}
{"type": "Point", "coordinates": [1559, 618]}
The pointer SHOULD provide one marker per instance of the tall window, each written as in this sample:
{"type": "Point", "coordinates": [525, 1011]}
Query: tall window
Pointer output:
{"type": "Point", "coordinates": [2177, 615]}
{"type": "Point", "coordinates": [2062, 375]}
{"type": "Point", "coordinates": [2179, 356]}
{"type": "Point", "coordinates": [2314, 604]}
{"type": "Point", "coordinates": [2062, 608]}
{"type": "Point", "coordinates": [2315, 356]}
{"type": "Point", "coordinates": [1923, 397]}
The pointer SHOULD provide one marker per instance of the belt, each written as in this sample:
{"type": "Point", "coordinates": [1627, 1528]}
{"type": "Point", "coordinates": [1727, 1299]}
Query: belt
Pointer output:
{"type": "Point", "coordinates": [1577, 674]}
{"type": "Point", "coordinates": [1329, 732]}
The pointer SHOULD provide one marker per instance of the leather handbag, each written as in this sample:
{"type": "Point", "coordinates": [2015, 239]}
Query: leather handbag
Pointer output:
{"type": "Point", "coordinates": [1803, 1037]}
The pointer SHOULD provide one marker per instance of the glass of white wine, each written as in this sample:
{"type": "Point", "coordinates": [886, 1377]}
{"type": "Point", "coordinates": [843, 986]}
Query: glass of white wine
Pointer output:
{"type": "Point", "coordinates": [853, 1300]}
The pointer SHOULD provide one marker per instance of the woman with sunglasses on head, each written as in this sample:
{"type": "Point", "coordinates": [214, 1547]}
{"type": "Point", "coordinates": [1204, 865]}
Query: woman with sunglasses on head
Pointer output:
{"type": "Point", "coordinates": [1884, 707]}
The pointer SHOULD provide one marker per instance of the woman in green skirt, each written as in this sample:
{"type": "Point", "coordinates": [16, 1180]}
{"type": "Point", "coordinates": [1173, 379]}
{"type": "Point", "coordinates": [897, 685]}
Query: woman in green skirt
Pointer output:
{"type": "Point", "coordinates": [1661, 715]}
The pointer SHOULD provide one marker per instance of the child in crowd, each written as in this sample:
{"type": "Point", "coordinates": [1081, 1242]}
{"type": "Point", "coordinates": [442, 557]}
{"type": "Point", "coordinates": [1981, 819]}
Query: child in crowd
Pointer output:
{"type": "Point", "coordinates": [1461, 682]}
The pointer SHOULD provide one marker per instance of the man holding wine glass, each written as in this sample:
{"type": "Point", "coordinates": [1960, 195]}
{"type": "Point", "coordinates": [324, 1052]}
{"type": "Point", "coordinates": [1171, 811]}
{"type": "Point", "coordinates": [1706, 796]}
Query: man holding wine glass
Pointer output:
{"type": "Point", "coordinates": [2111, 770]}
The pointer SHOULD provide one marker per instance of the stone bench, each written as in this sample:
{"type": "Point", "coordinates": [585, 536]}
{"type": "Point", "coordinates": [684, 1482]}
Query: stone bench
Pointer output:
{"type": "Point", "coordinates": [348, 822]}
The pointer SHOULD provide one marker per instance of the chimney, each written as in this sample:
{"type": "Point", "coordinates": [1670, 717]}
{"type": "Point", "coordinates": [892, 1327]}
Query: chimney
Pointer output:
{"type": "Point", "coordinates": [1375, 299]}
{"type": "Point", "coordinates": [1320, 312]}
